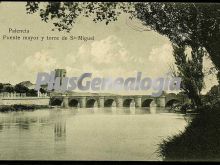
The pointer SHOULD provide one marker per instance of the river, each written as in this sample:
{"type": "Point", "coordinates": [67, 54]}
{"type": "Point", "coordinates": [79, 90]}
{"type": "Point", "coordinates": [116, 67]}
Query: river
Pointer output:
{"type": "Point", "coordinates": [86, 134]}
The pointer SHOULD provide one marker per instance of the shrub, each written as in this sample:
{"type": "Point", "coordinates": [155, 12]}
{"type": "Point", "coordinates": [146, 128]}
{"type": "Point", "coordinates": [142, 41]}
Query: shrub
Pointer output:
{"type": "Point", "coordinates": [199, 141]}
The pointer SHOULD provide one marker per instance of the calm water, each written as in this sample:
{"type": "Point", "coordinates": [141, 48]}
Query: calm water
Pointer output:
{"type": "Point", "coordinates": [86, 134]}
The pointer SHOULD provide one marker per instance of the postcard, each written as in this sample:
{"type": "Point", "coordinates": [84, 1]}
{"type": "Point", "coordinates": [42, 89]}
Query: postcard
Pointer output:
{"type": "Point", "coordinates": [110, 81]}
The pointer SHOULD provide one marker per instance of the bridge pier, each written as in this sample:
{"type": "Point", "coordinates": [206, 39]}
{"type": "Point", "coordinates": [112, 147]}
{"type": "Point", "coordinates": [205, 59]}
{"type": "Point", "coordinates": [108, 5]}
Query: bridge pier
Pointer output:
{"type": "Point", "coordinates": [161, 101]}
{"type": "Point", "coordinates": [65, 103]}
{"type": "Point", "coordinates": [83, 102]}
{"type": "Point", "coordinates": [101, 102]}
{"type": "Point", "coordinates": [119, 102]}
{"type": "Point", "coordinates": [137, 101]}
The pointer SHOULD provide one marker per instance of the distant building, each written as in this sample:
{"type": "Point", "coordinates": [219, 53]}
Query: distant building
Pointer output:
{"type": "Point", "coordinates": [60, 73]}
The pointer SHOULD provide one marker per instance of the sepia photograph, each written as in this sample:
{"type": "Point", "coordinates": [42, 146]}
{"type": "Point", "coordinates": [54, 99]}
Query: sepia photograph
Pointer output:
{"type": "Point", "coordinates": [110, 81]}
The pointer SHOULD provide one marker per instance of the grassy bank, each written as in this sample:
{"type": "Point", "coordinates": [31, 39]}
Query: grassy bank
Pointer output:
{"type": "Point", "coordinates": [19, 107]}
{"type": "Point", "coordinates": [200, 141]}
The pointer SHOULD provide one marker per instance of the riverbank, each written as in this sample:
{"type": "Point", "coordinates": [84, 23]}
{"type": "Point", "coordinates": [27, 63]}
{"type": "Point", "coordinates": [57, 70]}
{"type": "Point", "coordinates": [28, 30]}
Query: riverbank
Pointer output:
{"type": "Point", "coordinates": [199, 142]}
{"type": "Point", "coordinates": [21, 107]}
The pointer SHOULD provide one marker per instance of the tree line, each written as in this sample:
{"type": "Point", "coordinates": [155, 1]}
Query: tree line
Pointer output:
{"type": "Point", "coordinates": [19, 88]}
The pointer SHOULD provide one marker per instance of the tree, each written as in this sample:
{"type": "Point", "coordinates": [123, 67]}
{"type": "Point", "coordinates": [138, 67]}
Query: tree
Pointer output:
{"type": "Point", "coordinates": [20, 88]}
{"type": "Point", "coordinates": [194, 25]}
{"type": "Point", "coordinates": [212, 95]}
{"type": "Point", "coordinates": [1, 87]}
{"type": "Point", "coordinates": [190, 70]}
{"type": "Point", "coordinates": [64, 14]}
{"type": "Point", "coordinates": [32, 92]}
{"type": "Point", "coordinates": [42, 90]}
{"type": "Point", "coordinates": [8, 89]}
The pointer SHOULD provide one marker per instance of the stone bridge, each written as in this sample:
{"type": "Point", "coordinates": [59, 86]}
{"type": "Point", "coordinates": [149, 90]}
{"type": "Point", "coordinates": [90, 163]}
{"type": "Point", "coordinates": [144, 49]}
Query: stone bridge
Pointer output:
{"type": "Point", "coordinates": [172, 98]}
{"type": "Point", "coordinates": [98, 100]}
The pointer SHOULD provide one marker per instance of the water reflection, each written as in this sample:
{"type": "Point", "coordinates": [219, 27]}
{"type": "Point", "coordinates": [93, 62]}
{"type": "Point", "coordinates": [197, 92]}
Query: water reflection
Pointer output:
{"type": "Point", "coordinates": [1, 127]}
{"type": "Point", "coordinates": [153, 110]}
{"type": "Point", "coordinates": [60, 137]}
{"type": "Point", "coordinates": [60, 130]}
{"type": "Point", "coordinates": [24, 120]}
{"type": "Point", "coordinates": [132, 110]}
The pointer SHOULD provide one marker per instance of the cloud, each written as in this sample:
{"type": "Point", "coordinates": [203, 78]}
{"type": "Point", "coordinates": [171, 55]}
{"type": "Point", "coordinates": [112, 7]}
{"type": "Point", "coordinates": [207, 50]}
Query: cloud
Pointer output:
{"type": "Point", "coordinates": [108, 50]}
{"type": "Point", "coordinates": [160, 58]}
{"type": "Point", "coordinates": [111, 57]}
{"type": "Point", "coordinates": [162, 54]}
{"type": "Point", "coordinates": [40, 62]}
{"type": "Point", "coordinates": [103, 57]}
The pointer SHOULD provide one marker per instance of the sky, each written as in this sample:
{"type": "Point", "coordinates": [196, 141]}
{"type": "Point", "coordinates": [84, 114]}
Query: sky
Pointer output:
{"type": "Point", "coordinates": [119, 49]}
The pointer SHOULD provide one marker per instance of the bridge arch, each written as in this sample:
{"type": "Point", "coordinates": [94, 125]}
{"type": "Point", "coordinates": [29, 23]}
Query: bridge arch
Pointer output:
{"type": "Point", "coordinates": [127, 102]}
{"type": "Point", "coordinates": [147, 103]}
{"type": "Point", "coordinates": [171, 102]}
{"type": "Point", "coordinates": [91, 103]}
{"type": "Point", "coordinates": [109, 103]}
{"type": "Point", "coordinates": [73, 103]}
{"type": "Point", "coordinates": [56, 101]}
